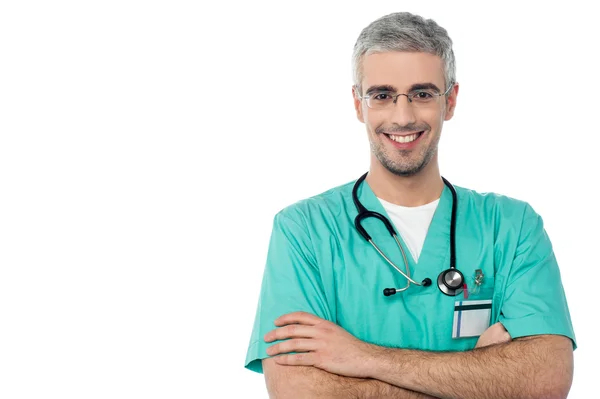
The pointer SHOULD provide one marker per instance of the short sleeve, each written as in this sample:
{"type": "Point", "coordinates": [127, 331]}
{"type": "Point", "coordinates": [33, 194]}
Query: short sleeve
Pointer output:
{"type": "Point", "coordinates": [291, 282]}
{"type": "Point", "coordinates": [534, 300]}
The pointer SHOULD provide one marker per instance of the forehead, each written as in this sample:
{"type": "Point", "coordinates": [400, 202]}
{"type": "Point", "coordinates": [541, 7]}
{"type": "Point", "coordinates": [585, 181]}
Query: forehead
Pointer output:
{"type": "Point", "coordinates": [402, 69]}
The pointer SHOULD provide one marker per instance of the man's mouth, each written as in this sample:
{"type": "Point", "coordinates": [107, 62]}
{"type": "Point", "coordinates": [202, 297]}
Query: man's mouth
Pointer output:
{"type": "Point", "coordinates": [404, 139]}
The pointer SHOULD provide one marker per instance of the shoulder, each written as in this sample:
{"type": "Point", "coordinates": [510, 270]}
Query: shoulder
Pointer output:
{"type": "Point", "coordinates": [499, 207]}
{"type": "Point", "coordinates": [308, 211]}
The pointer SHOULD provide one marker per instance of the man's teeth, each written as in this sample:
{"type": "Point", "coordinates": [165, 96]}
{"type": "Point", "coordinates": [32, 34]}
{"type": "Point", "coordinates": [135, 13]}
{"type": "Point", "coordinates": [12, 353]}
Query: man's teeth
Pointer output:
{"type": "Point", "coordinates": [405, 139]}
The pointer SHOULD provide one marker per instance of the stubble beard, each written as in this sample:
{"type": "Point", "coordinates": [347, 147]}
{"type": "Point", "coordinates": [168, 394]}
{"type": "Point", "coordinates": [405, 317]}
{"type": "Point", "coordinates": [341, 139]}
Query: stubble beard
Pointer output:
{"type": "Point", "coordinates": [403, 163]}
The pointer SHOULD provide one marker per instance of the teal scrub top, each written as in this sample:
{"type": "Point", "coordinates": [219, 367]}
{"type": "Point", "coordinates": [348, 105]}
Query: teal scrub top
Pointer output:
{"type": "Point", "coordinates": [318, 263]}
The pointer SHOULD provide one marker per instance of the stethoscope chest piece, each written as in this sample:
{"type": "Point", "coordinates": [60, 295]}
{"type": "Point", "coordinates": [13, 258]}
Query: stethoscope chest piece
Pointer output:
{"type": "Point", "coordinates": [451, 282]}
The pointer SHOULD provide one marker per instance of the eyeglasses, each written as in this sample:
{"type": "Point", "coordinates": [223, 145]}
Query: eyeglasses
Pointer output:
{"type": "Point", "coordinates": [422, 98]}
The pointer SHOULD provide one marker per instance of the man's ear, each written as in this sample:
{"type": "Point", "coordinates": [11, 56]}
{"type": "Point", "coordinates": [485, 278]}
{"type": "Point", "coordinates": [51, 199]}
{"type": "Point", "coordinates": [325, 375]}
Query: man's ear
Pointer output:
{"type": "Point", "coordinates": [451, 102]}
{"type": "Point", "coordinates": [357, 104]}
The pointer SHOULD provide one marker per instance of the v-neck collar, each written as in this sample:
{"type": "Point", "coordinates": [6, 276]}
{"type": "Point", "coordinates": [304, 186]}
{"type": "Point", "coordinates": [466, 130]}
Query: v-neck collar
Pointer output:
{"type": "Point", "coordinates": [435, 255]}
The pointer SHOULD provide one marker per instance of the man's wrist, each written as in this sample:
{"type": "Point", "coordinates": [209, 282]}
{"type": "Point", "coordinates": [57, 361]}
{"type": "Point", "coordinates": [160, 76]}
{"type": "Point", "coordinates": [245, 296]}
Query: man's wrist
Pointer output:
{"type": "Point", "coordinates": [375, 361]}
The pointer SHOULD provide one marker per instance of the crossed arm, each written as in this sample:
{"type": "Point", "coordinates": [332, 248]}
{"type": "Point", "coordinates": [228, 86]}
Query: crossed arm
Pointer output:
{"type": "Point", "coordinates": [307, 382]}
{"type": "Point", "coordinates": [334, 364]}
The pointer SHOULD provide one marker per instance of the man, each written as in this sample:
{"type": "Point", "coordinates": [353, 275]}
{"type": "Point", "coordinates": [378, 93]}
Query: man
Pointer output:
{"type": "Point", "coordinates": [479, 310]}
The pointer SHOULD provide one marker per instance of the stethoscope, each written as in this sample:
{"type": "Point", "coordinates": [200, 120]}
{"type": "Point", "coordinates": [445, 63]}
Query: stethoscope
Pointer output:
{"type": "Point", "coordinates": [450, 281]}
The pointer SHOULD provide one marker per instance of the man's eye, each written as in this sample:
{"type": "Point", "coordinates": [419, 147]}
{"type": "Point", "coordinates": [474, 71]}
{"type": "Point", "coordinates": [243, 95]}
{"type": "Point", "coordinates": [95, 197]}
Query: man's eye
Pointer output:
{"type": "Point", "coordinates": [382, 97]}
{"type": "Point", "coordinates": [422, 95]}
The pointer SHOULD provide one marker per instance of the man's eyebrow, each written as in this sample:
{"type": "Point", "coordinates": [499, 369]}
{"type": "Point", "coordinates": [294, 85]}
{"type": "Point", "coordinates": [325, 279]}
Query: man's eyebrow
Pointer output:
{"type": "Point", "coordinates": [424, 86]}
{"type": "Point", "coordinates": [416, 86]}
{"type": "Point", "coordinates": [379, 88]}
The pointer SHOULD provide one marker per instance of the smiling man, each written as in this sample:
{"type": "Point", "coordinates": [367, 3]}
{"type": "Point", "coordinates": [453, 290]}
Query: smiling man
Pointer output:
{"type": "Point", "coordinates": [479, 310]}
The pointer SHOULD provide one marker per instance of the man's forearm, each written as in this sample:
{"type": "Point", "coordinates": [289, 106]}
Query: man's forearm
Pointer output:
{"type": "Point", "coordinates": [300, 382]}
{"type": "Point", "coordinates": [524, 368]}
{"type": "Point", "coordinates": [332, 386]}
{"type": "Point", "coordinates": [375, 389]}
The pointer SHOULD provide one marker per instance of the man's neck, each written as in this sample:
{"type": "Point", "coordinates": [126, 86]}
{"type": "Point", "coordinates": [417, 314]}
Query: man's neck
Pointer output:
{"type": "Point", "coordinates": [410, 191]}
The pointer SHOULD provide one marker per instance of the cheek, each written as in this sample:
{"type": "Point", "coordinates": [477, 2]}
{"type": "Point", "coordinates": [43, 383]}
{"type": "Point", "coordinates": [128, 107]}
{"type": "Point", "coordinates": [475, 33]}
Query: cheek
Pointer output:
{"type": "Point", "coordinates": [433, 119]}
{"type": "Point", "coordinates": [373, 121]}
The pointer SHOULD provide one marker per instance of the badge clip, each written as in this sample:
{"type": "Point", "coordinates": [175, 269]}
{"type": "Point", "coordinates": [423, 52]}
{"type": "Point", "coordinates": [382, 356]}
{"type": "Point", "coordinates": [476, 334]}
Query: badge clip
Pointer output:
{"type": "Point", "coordinates": [477, 280]}
{"type": "Point", "coordinates": [478, 277]}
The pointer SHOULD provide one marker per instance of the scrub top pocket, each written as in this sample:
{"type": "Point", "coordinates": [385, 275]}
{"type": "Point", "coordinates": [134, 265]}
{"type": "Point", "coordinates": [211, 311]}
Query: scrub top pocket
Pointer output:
{"type": "Point", "coordinates": [473, 315]}
{"type": "Point", "coordinates": [484, 292]}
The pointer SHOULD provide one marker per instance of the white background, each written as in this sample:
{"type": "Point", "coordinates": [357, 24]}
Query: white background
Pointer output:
{"type": "Point", "coordinates": [146, 146]}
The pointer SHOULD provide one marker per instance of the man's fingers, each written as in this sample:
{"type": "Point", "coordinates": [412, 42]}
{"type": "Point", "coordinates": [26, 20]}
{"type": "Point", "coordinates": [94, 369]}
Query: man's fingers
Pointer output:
{"type": "Point", "coordinates": [298, 317]}
{"type": "Point", "coordinates": [501, 333]}
{"type": "Point", "coordinates": [292, 345]}
{"type": "Point", "coordinates": [291, 331]}
{"type": "Point", "coordinates": [298, 359]}
{"type": "Point", "coordinates": [496, 334]}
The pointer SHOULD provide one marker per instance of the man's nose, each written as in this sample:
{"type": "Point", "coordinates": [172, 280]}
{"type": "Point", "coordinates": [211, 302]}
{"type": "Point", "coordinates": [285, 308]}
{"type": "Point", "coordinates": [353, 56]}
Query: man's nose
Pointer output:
{"type": "Point", "coordinates": [403, 112]}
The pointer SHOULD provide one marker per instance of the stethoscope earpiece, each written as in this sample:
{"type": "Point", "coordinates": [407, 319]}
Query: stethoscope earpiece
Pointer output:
{"type": "Point", "coordinates": [392, 291]}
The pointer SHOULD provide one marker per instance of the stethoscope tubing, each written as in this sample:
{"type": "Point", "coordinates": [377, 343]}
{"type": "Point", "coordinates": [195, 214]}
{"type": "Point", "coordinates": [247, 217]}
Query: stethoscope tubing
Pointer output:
{"type": "Point", "coordinates": [364, 213]}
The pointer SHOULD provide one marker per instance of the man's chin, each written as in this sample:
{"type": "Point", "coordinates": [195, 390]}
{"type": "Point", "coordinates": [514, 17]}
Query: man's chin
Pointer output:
{"type": "Point", "coordinates": [402, 171]}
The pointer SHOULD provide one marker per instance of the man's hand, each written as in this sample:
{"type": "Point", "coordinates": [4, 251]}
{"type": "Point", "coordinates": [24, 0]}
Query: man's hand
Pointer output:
{"type": "Point", "coordinates": [496, 334]}
{"type": "Point", "coordinates": [323, 344]}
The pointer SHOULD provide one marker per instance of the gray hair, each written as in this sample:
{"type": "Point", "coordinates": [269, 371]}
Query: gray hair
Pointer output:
{"type": "Point", "coordinates": [403, 31]}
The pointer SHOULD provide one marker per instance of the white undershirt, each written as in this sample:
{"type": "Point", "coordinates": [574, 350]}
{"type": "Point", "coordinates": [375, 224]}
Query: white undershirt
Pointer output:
{"type": "Point", "coordinates": [412, 223]}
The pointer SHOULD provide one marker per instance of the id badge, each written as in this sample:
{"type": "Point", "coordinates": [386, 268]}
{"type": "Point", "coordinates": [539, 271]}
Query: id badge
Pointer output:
{"type": "Point", "coordinates": [471, 318]}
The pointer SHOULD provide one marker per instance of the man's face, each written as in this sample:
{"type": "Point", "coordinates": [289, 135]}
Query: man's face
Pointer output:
{"type": "Point", "coordinates": [403, 72]}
